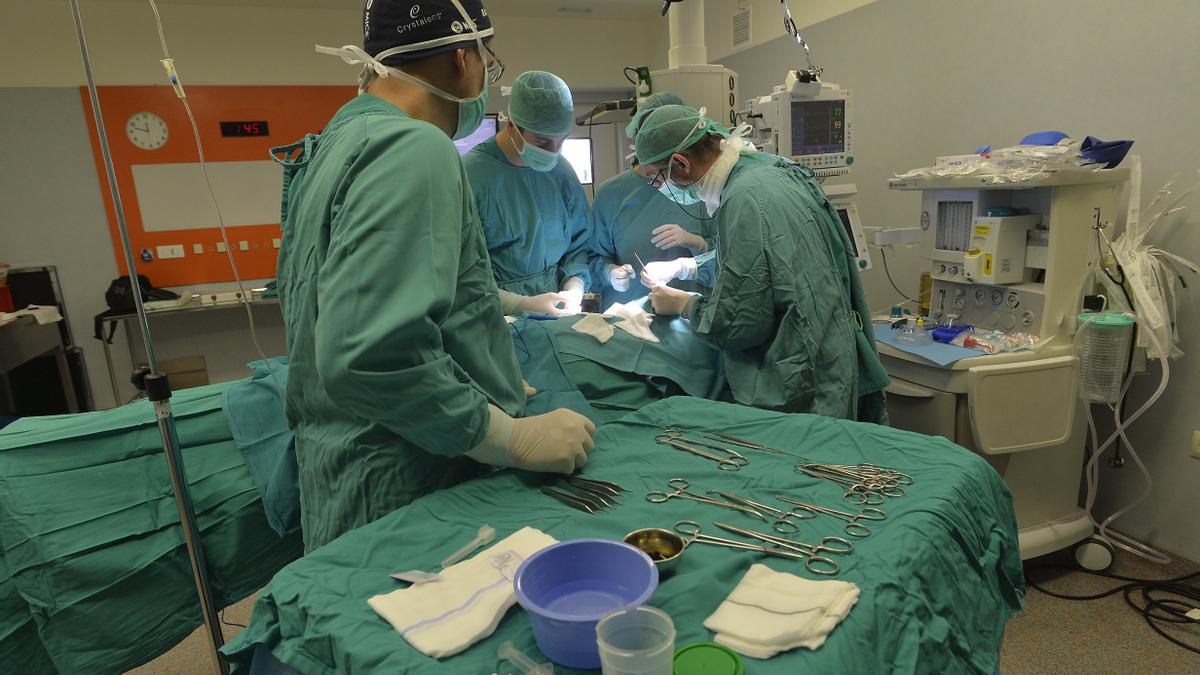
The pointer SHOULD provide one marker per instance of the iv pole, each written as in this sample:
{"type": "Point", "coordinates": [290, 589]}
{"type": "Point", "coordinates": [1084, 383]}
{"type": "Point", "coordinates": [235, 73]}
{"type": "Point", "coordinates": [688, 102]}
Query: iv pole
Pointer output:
{"type": "Point", "coordinates": [154, 382]}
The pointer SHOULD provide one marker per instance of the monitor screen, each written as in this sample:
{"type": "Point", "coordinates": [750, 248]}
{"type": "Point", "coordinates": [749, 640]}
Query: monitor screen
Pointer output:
{"type": "Point", "coordinates": [484, 132]}
{"type": "Point", "coordinates": [844, 214]}
{"type": "Point", "coordinates": [578, 151]}
{"type": "Point", "coordinates": [818, 127]}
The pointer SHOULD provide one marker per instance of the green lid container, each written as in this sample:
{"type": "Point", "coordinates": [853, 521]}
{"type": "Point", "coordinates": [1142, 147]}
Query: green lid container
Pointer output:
{"type": "Point", "coordinates": [707, 658]}
{"type": "Point", "coordinates": [1105, 319]}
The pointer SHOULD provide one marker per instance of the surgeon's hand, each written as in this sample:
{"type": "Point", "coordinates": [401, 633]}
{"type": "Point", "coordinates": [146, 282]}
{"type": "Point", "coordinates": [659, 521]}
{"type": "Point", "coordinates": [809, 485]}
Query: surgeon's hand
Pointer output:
{"type": "Point", "coordinates": [663, 271]}
{"type": "Point", "coordinates": [668, 301]}
{"type": "Point", "coordinates": [672, 235]}
{"type": "Point", "coordinates": [556, 442]}
{"type": "Point", "coordinates": [572, 290]}
{"type": "Point", "coordinates": [620, 277]}
{"type": "Point", "coordinates": [529, 391]}
{"type": "Point", "coordinates": [552, 304]}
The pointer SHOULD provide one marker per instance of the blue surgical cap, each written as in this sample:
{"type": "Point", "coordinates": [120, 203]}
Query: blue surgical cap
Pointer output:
{"type": "Point", "coordinates": [541, 103]}
{"type": "Point", "coordinates": [649, 105]}
{"type": "Point", "coordinates": [670, 129]}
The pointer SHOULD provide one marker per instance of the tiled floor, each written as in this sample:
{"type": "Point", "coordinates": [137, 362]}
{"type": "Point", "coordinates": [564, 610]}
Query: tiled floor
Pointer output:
{"type": "Point", "coordinates": [1050, 636]}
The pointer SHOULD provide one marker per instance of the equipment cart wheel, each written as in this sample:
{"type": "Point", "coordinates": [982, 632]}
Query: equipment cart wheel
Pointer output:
{"type": "Point", "coordinates": [1094, 554]}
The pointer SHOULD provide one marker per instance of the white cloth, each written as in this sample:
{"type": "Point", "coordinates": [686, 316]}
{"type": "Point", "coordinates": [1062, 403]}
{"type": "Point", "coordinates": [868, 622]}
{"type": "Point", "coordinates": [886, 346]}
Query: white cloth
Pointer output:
{"type": "Point", "coordinates": [443, 617]}
{"type": "Point", "coordinates": [596, 326]}
{"type": "Point", "coordinates": [634, 320]}
{"type": "Point", "coordinates": [770, 612]}
{"type": "Point", "coordinates": [42, 315]}
{"type": "Point", "coordinates": [713, 182]}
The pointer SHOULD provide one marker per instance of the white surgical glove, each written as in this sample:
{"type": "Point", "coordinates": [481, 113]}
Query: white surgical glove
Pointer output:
{"type": "Point", "coordinates": [556, 442]}
{"type": "Point", "coordinates": [551, 304]}
{"type": "Point", "coordinates": [672, 235]}
{"type": "Point", "coordinates": [663, 271]}
{"type": "Point", "coordinates": [620, 277]}
{"type": "Point", "coordinates": [668, 301]}
{"type": "Point", "coordinates": [572, 290]}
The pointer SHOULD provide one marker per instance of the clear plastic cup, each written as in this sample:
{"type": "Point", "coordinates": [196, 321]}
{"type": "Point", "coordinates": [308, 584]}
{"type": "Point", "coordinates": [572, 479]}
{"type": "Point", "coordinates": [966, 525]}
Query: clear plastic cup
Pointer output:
{"type": "Point", "coordinates": [636, 641]}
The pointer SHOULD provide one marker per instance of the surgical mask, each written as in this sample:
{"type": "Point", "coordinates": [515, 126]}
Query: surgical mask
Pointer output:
{"type": "Point", "coordinates": [471, 110]}
{"type": "Point", "coordinates": [536, 158]}
{"type": "Point", "coordinates": [684, 196]}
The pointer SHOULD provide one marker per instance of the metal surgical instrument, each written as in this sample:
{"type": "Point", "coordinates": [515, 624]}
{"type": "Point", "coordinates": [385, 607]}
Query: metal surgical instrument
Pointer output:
{"type": "Point", "coordinates": [570, 500]}
{"type": "Point", "coordinates": [853, 527]}
{"type": "Point", "coordinates": [783, 519]}
{"type": "Point", "coordinates": [681, 485]}
{"type": "Point", "coordinates": [732, 461]}
{"type": "Point", "coordinates": [814, 562]}
{"type": "Point", "coordinates": [689, 531]}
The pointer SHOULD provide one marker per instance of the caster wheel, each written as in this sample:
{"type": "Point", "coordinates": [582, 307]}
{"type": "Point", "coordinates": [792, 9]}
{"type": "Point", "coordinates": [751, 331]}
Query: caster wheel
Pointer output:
{"type": "Point", "coordinates": [1093, 554]}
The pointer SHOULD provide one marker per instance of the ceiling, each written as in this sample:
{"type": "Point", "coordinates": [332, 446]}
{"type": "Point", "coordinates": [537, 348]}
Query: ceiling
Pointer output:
{"type": "Point", "coordinates": [608, 9]}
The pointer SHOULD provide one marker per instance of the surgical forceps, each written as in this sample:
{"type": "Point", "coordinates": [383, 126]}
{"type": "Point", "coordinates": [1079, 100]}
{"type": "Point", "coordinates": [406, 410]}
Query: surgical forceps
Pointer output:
{"type": "Point", "coordinates": [689, 531]}
{"type": "Point", "coordinates": [681, 485]}
{"type": "Point", "coordinates": [741, 442]}
{"type": "Point", "coordinates": [732, 461]}
{"type": "Point", "coordinates": [853, 527]}
{"type": "Point", "coordinates": [860, 490]}
{"type": "Point", "coordinates": [814, 562]}
{"type": "Point", "coordinates": [784, 523]}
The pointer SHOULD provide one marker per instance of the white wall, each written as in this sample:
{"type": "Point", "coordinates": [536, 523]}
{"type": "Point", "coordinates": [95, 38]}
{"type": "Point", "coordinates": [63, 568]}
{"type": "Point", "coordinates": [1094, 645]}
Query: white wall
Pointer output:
{"type": "Point", "coordinates": [937, 77]}
{"type": "Point", "coordinates": [766, 21]}
{"type": "Point", "coordinates": [48, 155]}
{"type": "Point", "coordinates": [228, 44]}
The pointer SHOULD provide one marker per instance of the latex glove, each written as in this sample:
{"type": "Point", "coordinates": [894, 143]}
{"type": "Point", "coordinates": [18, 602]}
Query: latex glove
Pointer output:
{"type": "Point", "coordinates": [551, 304]}
{"type": "Point", "coordinates": [529, 391]}
{"type": "Point", "coordinates": [556, 442]}
{"type": "Point", "coordinates": [663, 271]}
{"type": "Point", "coordinates": [672, 235]}
{"type": "Point", "coordinates": [572, 290]}
{"type": "Point", "coordinates": [620, 277]}
{"type": "Point", "coordinates": [668, 301]}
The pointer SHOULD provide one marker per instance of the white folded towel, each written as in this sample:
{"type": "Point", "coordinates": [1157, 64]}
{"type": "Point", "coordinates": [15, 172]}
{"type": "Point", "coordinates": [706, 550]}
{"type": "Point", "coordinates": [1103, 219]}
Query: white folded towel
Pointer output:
{"type": "Point", "coordinates": [443, 617]}
{"type": "Point", "coordinates": [596, 326]}
{"type": "Point", "coordinates": [634, 320]}
{"type": "Point", "coordinates": [770, 612]}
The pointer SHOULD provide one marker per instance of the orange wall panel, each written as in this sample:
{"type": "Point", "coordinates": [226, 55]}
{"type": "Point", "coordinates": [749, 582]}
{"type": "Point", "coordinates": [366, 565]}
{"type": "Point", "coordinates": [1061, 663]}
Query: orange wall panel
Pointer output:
{"type": "Point", "coordinates": [290, 111]}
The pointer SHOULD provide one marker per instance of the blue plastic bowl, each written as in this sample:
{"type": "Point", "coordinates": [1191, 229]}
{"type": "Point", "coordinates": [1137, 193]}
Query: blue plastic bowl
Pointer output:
{"type": "Point", "coordinates": [568, 587]}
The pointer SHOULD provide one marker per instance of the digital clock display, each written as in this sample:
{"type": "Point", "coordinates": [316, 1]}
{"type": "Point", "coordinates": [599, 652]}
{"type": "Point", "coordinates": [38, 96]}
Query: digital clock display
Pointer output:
{"type": "Point", "coordinates": [251, 128]}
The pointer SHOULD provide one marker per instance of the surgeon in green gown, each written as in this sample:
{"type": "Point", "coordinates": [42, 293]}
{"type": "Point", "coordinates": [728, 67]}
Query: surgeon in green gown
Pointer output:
{"type": "Point", "coordinates": [403, 378]}
{"type": "Point", "coordinates": [535, 215]}
{"type": "Point", "coordinates": [788, 309]}
{"type": "Point", "coordinates": [632, 220]}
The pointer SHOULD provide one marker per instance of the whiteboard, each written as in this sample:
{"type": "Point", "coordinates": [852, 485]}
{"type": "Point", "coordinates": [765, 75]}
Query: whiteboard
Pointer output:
{"type": "Point", "coordinates": [174, 196]}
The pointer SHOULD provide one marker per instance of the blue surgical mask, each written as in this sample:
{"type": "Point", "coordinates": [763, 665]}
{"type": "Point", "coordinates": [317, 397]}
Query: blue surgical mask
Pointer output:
{"type": "Point", "coordinates": [537, 158]}
{"type": "Point", "coordinates": [471, 113]}
{"type": "Point", "coordinates": [684, 196]}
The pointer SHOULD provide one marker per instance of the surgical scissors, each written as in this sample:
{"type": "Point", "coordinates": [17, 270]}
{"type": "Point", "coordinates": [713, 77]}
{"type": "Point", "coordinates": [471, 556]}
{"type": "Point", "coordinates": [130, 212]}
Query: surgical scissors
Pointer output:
{"type": "Point", "coordinates": [859, 491]}
{"type": "Point", "coordinates": [783, 519]}
{"type": "Point", "coordinates": [689, 531]}
{"type": "Point", "coordinates": [853, 527]}
{"type": "Point", "coordinates": [815, 563]}
{"type": "Point", "coordinates": [681, 485]}
{"type": "Point", "coordinates": [732, 461]}
{"type": "Point", "coordinates": [752, 445]}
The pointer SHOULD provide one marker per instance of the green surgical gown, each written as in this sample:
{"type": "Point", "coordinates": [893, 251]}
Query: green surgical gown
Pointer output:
{"type": "Point", "coordinates": [537, 224]}
{"type": "Point", "coordinates": [394, 331]}
{"type": "Point", "coordinates": [788, 309]}
{"type": "Point", "coordinates": [625, 212]}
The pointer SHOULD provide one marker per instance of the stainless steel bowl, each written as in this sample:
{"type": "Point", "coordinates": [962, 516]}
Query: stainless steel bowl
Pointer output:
{"type": "Point", "coordinates": [663, 546]}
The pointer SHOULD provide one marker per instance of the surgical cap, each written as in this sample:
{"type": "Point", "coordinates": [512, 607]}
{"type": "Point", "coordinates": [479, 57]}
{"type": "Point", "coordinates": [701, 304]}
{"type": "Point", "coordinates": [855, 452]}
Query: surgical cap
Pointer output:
{"type": "Point", "coordinates": [405, 23]}
{"type": "Point", "coordinates": [649, 105]}
{"type": "Point", "coordinates": [541, 103]}
{"type": "Point", "coordinates": [670, 129]}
